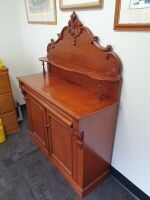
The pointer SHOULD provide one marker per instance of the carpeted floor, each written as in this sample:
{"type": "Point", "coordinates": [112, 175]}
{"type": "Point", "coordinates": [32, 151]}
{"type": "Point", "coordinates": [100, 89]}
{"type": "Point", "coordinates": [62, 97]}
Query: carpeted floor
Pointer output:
{"type": "Point", "coordinates": [26, 174]}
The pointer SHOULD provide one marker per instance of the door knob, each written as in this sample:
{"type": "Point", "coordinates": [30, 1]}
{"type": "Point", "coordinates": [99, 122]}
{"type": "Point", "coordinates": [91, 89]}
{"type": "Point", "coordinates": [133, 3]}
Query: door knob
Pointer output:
{"type": "Point", "coordinates": [47, 125]}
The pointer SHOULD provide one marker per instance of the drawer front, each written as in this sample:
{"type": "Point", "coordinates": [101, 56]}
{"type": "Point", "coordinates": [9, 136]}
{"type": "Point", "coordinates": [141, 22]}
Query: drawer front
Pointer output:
{"type": "Point", "coordinates": [6, 104]}
{"type": "Point", "coordinates": [10, 123]}
{"type": "Point", "coordinates": [4, 83]}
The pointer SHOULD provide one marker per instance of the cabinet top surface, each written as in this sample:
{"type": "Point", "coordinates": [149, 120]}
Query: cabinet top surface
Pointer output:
{"type": "Point", "coordinates": [81, 72]}
{"type": "Point", "coordinates": [73, 99]}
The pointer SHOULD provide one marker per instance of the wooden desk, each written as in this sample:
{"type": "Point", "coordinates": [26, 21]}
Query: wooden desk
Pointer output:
{"type": "Point", "coordinates": [72, 108]}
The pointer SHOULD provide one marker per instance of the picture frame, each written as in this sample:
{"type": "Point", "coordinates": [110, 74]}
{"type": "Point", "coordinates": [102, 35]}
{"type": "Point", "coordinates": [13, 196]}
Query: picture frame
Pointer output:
{"type": "Point", "coordinates": [80, 4]}
{"type": "Point", "coordinates": [41, 11]}
{"type": "Point", "coordinates": [132, 15]}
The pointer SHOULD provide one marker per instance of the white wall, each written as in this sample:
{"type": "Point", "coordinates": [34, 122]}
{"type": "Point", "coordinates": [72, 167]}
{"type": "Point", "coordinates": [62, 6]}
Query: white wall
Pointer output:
{"type": "Point", "coordinates": [11, 46]}
{"type": "Point", "coordinates": [131, 148]}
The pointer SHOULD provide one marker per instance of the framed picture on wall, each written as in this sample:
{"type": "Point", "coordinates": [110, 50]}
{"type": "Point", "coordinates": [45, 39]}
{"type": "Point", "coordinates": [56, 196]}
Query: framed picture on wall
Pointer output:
{"type": "Point", "coordinates": [132, 15]}
{"type": "Point", "coordinates": [79, 4]}
{"type": "Point", "coordinates": [41, 11]}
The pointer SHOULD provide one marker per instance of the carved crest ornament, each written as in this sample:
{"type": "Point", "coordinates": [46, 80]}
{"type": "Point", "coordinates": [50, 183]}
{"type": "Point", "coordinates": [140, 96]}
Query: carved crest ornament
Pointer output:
{"type": "Point", "coordinates": [75, 28]}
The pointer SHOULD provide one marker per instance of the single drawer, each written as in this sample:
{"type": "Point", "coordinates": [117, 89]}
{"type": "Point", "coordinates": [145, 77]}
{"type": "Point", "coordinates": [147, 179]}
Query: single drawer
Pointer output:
{"type": "Point", "coordinates": [10, 122]}
{"type": "Point", "coordinates": [6, 104]}
{"type": "Point", "coordinates": [4, 83]}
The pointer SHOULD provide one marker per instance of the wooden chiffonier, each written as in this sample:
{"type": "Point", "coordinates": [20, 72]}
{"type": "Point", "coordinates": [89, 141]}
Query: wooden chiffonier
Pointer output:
{"type": "Point", "coordinates": [7, 108]}
{"type": "Point", "coordinates": [72, 107]}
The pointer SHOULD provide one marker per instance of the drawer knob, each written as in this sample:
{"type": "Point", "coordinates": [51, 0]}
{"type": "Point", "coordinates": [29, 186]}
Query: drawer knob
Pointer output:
{"type": "Point", "coordinates": [47, 125]}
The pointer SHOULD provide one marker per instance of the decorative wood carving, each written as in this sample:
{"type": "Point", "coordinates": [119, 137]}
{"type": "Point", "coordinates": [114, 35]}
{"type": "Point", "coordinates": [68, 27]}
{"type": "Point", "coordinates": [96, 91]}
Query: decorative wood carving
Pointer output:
{"type": "Point", "coordinates": [80, 138]}
{"type": "Point", "coordinates": [86, 53]}
{"type": "Point", "coordinates": [75, 27]}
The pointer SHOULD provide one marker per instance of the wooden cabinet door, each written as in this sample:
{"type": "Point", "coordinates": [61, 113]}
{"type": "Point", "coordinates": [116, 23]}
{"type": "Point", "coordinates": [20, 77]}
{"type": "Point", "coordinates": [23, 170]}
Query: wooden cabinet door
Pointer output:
{"type": "Point", "coordinates": [37, 123]}
{"type": "Point", "coordinates": [61, 141]}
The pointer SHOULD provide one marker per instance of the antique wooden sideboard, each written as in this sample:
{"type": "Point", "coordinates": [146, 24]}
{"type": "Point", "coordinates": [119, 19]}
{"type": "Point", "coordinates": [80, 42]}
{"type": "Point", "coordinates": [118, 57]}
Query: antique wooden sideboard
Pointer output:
{"type": "Point", "coordinates": [72, 106]}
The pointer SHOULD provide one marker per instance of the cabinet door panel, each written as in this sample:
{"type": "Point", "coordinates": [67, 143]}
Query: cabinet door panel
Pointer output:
{"type": "Point", "coordinates": [61, 144]}
{"type": "Point", "coordinates": [36, 115]}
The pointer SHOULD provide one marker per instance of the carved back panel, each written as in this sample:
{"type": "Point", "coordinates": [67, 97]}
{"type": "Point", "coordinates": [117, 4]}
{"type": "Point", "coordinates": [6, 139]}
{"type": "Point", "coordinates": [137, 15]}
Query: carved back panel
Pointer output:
{"type": "Point", "coordinates": [76, 46]}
